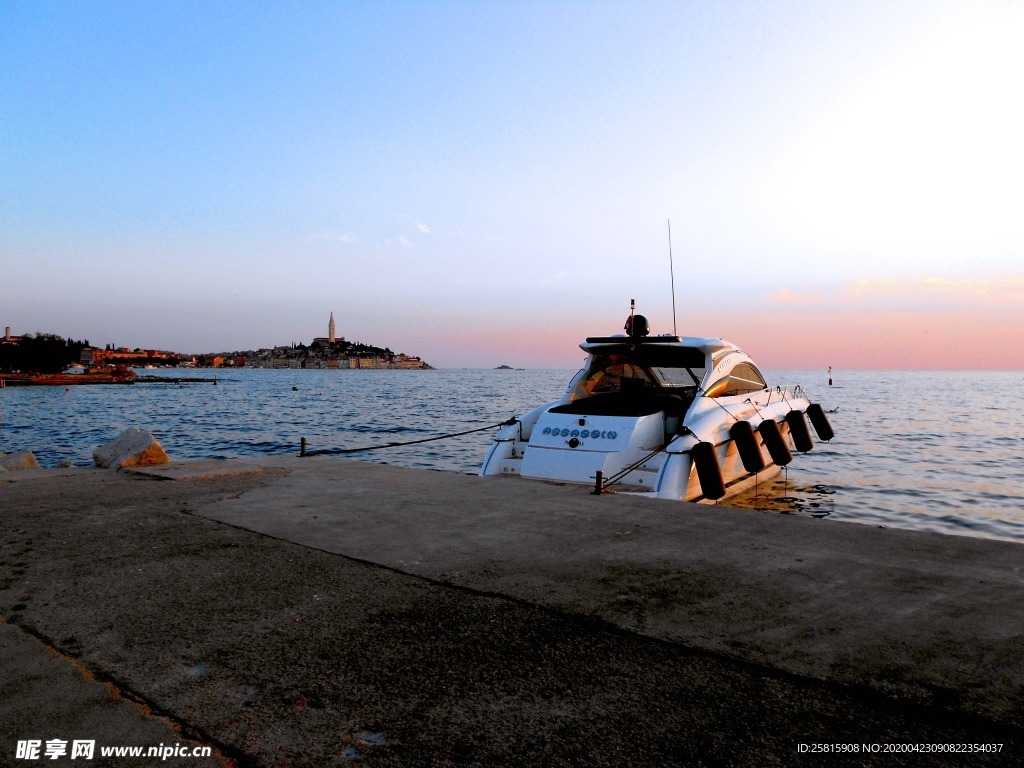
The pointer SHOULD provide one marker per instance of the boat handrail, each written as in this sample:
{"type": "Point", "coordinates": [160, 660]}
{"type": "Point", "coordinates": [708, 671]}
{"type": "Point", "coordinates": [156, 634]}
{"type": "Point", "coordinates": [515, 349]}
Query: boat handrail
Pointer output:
{"type": "Point", "coordinates": [786, 392]}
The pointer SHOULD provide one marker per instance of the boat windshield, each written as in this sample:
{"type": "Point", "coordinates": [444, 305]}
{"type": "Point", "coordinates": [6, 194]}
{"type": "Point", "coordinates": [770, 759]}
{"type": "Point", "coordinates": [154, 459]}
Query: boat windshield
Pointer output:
{"type": "Point", "coordinates": [640, 369]}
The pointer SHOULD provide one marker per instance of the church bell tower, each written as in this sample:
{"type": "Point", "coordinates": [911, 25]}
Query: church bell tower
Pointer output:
{"type": "Point", "coordinates": [330, 329]}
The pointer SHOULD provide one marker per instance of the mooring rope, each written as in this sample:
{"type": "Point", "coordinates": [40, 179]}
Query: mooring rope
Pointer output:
{"type": "Point", "coordinates": [338, 451]}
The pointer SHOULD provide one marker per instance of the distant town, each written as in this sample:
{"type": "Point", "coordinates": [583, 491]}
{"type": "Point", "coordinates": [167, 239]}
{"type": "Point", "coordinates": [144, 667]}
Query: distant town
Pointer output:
{"type": "Point", "coordinates": [324, 352]}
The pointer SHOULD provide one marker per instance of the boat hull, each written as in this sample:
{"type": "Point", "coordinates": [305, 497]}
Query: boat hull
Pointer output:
{"type": "Point", "coordinates": [650, 454]}
{"type": "Point", "coordinates": [683, 418]}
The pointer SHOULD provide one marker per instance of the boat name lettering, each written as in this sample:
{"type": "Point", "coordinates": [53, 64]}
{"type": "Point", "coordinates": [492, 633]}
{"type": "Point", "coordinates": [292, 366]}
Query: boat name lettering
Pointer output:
{"type": "Point", "coordinates": [726, 362]}
{"type": "Point", "coordinates": [595, 434]}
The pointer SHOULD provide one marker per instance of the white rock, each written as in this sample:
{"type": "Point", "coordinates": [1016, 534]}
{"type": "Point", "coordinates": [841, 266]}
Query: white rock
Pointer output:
{"type": "Point", "coordinates": [18, 460]}
{"type": "Point", "coordinates": [132, 448]}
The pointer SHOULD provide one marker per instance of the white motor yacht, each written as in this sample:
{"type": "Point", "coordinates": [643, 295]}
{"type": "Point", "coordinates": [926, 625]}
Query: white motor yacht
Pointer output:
{"type": "Point", "coordinates": [675, 417]}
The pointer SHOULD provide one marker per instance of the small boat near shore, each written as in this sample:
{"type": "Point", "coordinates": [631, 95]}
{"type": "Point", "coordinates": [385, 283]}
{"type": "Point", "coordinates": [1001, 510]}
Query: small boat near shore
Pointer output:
{"type": "Point", "coordinates": [675, 417]}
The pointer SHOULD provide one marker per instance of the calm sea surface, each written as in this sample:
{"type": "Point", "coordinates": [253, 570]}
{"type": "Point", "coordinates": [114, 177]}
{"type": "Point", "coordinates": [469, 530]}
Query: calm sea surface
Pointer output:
{"type": "Point", "coordinates": [929, 451]}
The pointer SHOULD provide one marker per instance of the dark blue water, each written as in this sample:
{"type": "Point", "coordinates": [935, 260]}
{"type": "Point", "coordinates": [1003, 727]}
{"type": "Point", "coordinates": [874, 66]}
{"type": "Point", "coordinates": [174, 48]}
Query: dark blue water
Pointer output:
{"type": "Point", "coordinates": [928, 451]}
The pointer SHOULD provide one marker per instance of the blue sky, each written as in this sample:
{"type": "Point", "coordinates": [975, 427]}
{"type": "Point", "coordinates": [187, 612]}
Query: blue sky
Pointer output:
{"type": "Point", "coordinates": [488, 182]}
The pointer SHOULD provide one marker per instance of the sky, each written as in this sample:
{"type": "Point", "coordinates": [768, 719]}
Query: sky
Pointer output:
{"type": "Point", "coordinates": [485, 183]}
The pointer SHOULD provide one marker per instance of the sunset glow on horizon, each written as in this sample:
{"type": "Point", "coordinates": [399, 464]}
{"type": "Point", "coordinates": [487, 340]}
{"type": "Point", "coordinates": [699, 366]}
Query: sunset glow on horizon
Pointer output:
{"type": "Point", "coordinates": [485, 184]}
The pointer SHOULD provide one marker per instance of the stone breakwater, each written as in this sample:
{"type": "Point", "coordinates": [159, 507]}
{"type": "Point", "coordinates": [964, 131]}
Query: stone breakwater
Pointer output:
{"type": "Point", "coordinates": [313, 611]}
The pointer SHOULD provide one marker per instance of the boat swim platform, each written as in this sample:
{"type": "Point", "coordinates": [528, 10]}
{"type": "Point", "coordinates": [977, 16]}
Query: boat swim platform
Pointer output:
{"type": "Point", "coordinates": [220, 599]}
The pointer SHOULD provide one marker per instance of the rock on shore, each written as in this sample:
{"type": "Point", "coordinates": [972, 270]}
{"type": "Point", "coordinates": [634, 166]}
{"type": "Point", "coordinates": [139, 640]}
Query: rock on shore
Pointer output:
{"type": "Point", "coordinates": [132, 448]}
{"type": "Point", "coordinates": [18, 460]}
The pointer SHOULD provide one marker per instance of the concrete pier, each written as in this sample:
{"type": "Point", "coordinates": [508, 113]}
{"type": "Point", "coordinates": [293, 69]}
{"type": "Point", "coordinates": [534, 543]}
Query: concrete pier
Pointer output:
{"type": "Point", "coordinates": [319, 611]}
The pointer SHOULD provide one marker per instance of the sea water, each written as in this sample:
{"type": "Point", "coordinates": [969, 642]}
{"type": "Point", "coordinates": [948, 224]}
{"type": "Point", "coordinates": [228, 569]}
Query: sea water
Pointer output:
{"type": "Point", "coordinates": [922, 450]}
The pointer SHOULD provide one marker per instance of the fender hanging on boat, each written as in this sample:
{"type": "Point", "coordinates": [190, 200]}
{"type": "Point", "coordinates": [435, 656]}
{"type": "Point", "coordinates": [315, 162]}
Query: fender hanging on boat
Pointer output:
{"type": "Point", "coordinates": [820, 421]}
{"type": "Point", "coordinates": [708, 470]}
{"type": "Point", "coordinates": [775, 442]}
{"type": "Point", "coordinates": [742, 433]}
{"type": "Point", "coordinates": [799, 431]}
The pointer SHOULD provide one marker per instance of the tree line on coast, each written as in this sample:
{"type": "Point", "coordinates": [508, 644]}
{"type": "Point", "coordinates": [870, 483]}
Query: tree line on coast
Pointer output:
{"type": "Point", "coordinates": [40, 353]}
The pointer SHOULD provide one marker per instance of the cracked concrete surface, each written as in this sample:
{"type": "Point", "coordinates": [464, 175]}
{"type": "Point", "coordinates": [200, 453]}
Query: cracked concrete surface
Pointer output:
{"type": "Point", "coordinates": [324, 612]}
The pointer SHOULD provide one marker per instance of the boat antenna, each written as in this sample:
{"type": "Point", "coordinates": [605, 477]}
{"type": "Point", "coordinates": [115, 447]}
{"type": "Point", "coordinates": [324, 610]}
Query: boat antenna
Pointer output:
{"type": "Point", "coordinates": [672, 273]}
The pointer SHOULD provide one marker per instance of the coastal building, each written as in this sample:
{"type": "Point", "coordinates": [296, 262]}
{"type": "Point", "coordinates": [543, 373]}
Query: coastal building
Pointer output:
{"type": "Point", "coordinates": [330, 352]}
{"type": "Point", "coordinates": [93, 356]}
{"type": "Point", "coordinates": [407, 362]}
{"type": "Point", "coordinates": [331, 338]}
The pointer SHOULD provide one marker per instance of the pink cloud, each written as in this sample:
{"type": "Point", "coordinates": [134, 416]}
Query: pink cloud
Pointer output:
{"type": "Point", "coordinates": [788, 296]}
{"type": "Point", "coordinates": [925, 324]}
{"type": "Point", "coordinates": [883, 339]}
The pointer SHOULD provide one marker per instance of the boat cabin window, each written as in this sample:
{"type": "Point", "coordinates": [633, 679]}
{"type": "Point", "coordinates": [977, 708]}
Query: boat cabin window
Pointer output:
{"type": "Point", "coordinates": [741, 380]}
{"type": "Point", "coordinates": [639, 369]}
{"type": "Point", "coordinates": [614, 374]}
{"type": "Point", "coordinates": [636, 382]}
